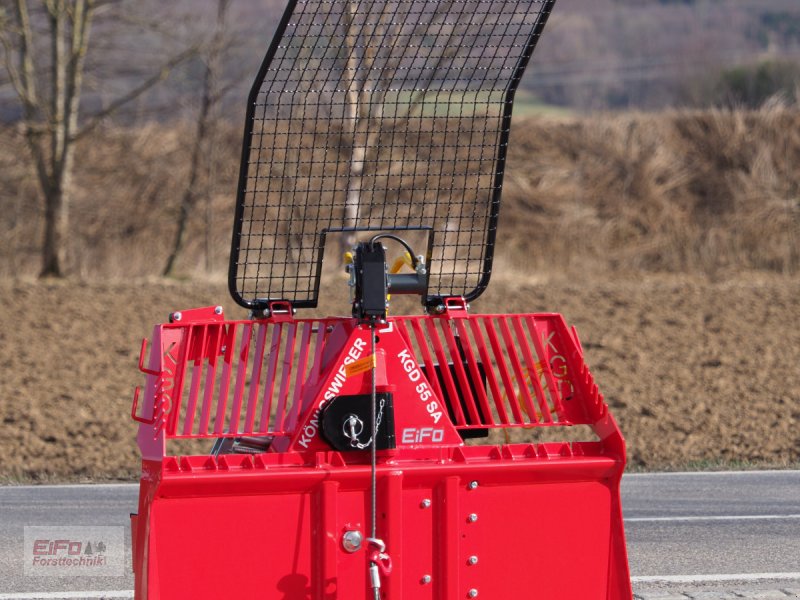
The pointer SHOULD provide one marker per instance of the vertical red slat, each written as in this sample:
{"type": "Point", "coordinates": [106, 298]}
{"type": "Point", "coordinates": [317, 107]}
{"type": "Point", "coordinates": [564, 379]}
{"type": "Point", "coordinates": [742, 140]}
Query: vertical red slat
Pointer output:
{"type": "Point", "coordinates": [517, 366]}
{"type": "Point", "coordinates": [181, 362]}
{"type": "Point", "coordinates": [300, 371]}
{"type": "Point", "coordinates": [548, 373]}
{"type": "Point", "coordinates": [255, 378]}
{"type": "Point", "coordinates": [511, 393]}
{"type": "Point", "coordinates": [475, 373]}
{"type": "Point", "coordinates": [322, 332]}
{"type": "Point", "coordinates": [444, 369]}
{"type": "Point", "coordinates": [211, 376]}
{"type": "Point", "coordinates": [488, 368]}
{"type": "Point", "coordinates": [532, 372]}
{"type": "Point", "coordinates": [426, 355]}
{"type": "Point", "coordinates": [286, 376]}
{"type": "Point", "coordinates": [197, 375]}
{"type": "Point", "coordinates": [241, 376]}
{"type": "Point", "coordinates": [269, 382]}
{"type": "Point", "coordinates": [399, 322]}
{"type": "Point", "coordinates": [227, 366]}
{"type": "Point", "coordinates": [313, 373]}
{"type": "Point", "coordinates": [316, 366]}
{"type": "Point", "coordinates": [466, 390]}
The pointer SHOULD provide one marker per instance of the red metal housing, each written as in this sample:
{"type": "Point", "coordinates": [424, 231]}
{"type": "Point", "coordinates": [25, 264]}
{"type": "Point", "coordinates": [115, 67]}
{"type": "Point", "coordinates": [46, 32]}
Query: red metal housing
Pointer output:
{"type": "Point", "coordinates": [501, 518]}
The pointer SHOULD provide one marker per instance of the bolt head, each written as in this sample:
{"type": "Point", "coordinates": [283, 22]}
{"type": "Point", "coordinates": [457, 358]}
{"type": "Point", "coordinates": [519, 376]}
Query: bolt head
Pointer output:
{"type": "Point", "coordinates": [473, 485]}
{"type": "Point", "coordinates": [473, 560]}
{"type": "Point", "coordinates": [426, 579]}
{"type": "Point", "coordinates": [473, 593]}
{"type": "Point", "coordinates": [176, 316]}
{"type": "Point", "coordinates": [217, 310]}
{"type": "Point", "coordinates": [426, 503]}
{"type": "Point", "coordinates": [352, 540]}
{"type": "Point", "coordinates": [472, 518]}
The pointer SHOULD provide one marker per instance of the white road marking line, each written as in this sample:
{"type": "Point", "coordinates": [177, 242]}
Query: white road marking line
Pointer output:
{"type": "Point", "coordinates": [693, 473]}
{"type": "Point", "coordinates": [751, 577]}
{"type": "Point", "coordinates": [67, 486]}
{"type": "Point", "coordinates": [689, 579]}
{"type": "Point", "coordinates": [710, 518]}
{"type": "Point", "coordinates": [68, 595]}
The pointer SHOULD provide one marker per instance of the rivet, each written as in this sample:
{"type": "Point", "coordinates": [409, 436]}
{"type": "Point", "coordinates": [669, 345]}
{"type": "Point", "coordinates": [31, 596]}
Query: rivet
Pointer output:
{"type": "Point", "coordinates": [426, 579]}
{"type": "Point", "coordinates": [473, 593]}
{"type": "Point", "coordinates": [473, 560]}
{"type": "Point", "coordinates": [217, 310]}
{"type": "Point", "coordinates": [352, 540]}
{"type": "Point", "coordinates": [426, 503]}
{"type": "Point", "coordinates": [176, 316]}
{"type": "Point", "coordinates": [472, 518]}
{"type": "Point", "coordinates": [473, 485]}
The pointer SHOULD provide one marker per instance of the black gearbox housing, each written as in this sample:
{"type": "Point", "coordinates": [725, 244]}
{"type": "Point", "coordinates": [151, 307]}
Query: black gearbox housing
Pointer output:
{"type": "Point", "coordinates": [338, 410]}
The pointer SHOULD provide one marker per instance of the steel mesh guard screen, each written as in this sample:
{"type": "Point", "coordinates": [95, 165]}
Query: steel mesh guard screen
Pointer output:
{"type": "Point", "coordinates": [379, 115]}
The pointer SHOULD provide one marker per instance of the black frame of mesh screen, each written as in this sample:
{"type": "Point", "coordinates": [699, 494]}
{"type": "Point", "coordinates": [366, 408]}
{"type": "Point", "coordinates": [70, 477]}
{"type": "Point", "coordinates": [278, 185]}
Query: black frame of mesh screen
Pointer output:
{"type": "Point", "coordinates": [275, 285]}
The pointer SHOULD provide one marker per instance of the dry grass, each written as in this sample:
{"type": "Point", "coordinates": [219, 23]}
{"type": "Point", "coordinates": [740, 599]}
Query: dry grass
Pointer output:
{"type": "Point", "coordinates": [711, 192]}
{"type": "Point", "coordinates": [705, 192]}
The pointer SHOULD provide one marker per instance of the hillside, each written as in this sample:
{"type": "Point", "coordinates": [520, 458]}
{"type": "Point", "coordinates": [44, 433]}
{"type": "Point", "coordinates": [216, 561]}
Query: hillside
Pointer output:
{"type": "Point", "coordinates": [704, 192]}
{"type": "Point", "coordinates": [597, 54]}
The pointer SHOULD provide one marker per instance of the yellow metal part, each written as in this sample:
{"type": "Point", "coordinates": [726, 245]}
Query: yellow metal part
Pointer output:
{"type": "Point", "coordinates": [398, 263]}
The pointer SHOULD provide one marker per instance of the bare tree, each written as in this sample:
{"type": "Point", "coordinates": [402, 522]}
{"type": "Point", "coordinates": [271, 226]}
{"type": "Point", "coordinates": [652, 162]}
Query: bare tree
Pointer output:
{"type": "Point", "coordinates": [203, 145]}
{"type": "Point", "coordinates": [49, 92]}
{"type": "Point", "coordinates": [369, 72]}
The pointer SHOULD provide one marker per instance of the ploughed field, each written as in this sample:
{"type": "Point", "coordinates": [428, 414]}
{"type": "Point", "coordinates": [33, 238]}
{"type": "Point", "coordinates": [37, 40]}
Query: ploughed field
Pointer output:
{"type": "Point", "coordinates": [698, 373]}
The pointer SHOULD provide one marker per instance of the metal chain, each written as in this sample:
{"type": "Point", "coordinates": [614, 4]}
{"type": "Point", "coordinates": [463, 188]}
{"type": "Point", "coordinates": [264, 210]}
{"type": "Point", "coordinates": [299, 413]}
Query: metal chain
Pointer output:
{"type": "Point", "coordinates": [352, 421]}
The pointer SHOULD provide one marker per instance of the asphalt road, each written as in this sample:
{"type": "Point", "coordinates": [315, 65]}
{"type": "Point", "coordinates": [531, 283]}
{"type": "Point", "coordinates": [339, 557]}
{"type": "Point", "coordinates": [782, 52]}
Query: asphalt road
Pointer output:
{"type": "Point", "coordinates": [715, 533]}
{"type": "Point", "coordinates": [698, 533]}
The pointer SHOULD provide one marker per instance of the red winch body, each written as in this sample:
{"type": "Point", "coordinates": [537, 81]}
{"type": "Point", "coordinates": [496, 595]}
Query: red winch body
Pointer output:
{"type": "Point", "coordinates": [461, 516]}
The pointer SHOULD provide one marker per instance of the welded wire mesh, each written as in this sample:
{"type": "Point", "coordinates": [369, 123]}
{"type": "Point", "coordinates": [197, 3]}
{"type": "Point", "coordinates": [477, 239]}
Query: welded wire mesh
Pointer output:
{"type": "Point", "coordinates": [377, 115]}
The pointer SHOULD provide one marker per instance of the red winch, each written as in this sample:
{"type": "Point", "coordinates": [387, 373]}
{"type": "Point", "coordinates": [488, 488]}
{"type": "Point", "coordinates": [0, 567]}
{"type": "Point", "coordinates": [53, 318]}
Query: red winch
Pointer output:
{"type": "Point", "coordinates": [376, 455]}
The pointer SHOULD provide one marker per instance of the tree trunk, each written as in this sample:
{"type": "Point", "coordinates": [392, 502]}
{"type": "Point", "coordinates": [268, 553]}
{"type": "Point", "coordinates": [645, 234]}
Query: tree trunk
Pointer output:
{"type": "Point", "coordinates": [55, 197]}
{"type": "Point", "coordinates": [55, 232]}
{"type": "Point", "coordinates": [50, 120]}
{"type": "Point", "coordinates": [205, 126]}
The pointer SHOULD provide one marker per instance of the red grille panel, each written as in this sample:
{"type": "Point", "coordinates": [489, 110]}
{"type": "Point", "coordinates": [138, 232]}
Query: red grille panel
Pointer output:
{"type": "Point", "coordinates": [258, 378]}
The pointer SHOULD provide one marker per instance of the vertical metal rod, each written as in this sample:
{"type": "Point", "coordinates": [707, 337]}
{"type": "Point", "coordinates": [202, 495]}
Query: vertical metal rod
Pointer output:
{"type": "Point", "coordinates": [376, 591]}
{"type": "Point", "coordinates": [373, 454]}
